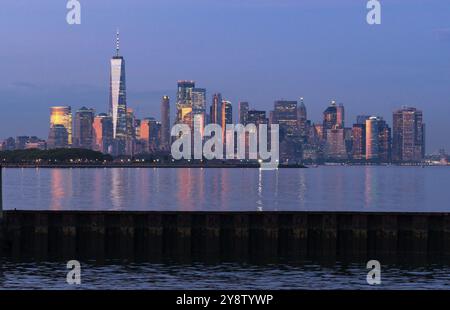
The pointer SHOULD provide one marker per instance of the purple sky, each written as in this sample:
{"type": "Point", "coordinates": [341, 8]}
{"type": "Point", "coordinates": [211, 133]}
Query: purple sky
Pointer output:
{"type": "Point", "coordinates": [254, 50]}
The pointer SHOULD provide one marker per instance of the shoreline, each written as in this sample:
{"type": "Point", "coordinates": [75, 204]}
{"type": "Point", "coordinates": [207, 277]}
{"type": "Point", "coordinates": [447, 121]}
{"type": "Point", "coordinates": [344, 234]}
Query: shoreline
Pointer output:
{"type": "Point", "coordinates": [216, 166]}
{"type": "Point", "coordinates": [213, 165]}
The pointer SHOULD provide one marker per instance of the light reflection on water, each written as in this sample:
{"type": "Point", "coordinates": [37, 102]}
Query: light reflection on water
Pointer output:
{"type": "Point", "coordinates": [317, 189]}
{"type": "Point", "coordinates": [323, 188]}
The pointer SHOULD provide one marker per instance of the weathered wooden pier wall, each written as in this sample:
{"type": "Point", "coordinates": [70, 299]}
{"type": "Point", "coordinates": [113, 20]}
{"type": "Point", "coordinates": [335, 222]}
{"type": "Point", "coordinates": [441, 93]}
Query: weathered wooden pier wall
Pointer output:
{"type": "Point", "coordinates": [221, 235]}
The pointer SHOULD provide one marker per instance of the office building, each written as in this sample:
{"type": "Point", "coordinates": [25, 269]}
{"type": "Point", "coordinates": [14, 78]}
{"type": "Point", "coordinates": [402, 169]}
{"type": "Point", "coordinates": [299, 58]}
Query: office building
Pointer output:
{"type": "Point", "coordinates": [61, 116]}
{"type": "Point", "coordinates": [216, 109]}
{"type": "Point", "coordinates": [408, 135]}
{"type": "Point", "coordinates": [243, 112]}
{"type": "Point", "coordinates": [83, 128]}
{"type": "Point", "coordinates": [184, 102]}
{"type": "Point", "coordinates": [118, 94]}
{"type": "Point", "coordinates": [58, 137]}
{"type": "Point", "coordinates": [165, 123]}
{"type": "Point", "coordinates": [302, 118]}
{"type": "Point", "coordinates": [103, 133]}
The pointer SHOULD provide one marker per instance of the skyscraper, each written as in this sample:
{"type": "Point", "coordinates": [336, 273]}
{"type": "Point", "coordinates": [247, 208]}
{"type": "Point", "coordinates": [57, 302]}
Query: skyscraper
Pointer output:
{"type": "Point", "coordinates": [257, 117]}
{"type": "Point", "coordinates": [61, 116]}
{"type": "Point", "coordinates": [184, 92]}
{"type": "Point", "coordinates": [302, 118]}
{"type": "Point", "coordinates": [340, 116]}
{"type": "Point", "coordinates": [378, 140]}
{"type": "Point", "coordinates": [58, 137]}
{"type": "Point", "coordinates": [227, 118]}
{"type": "Point", "coordinates": [118, 94]}
{"type": "Point", "coordinates": [216, 109]}
{"type": "Point", "coordinates": [130, 133]}
{"type": "Point", "coordinates": [286, 116]}
{"type": "Point", "coordinates": [103, 133]}
{"type": "Point", "coordinates": [150, 133]}
{"type": "Point", "coordinates": [359, 141]}
{"type": "Point", "coordinates": [330, 118]}
{"type": "Point", "coordinates": [333, 123]}
{"type": "Point", "coordinates": [199, 108]}
{"type": "Point", "coordinates": [384, 141]}
{"type": "Point", "coordinates": [165, 123]}
{"type": "Point", "coordinates": [84, 132]}
{"type": "Point", "coordinates": [199, 99]}
{"type": "Point", "coordinates": [408, 135]}
{"type": "Point", "coordinates": [243, 112]}
{"type": "Point", "coordinates": [184, 102]}
{"type": "Point", "coordinates": [372, 138]}
{"type": "Point", "coordinates": [137, 128]}
{"type": "Point", "coordinates": [335, 144]}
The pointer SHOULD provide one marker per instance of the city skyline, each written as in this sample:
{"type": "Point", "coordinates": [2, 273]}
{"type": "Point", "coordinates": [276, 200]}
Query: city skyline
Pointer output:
{"type": "Point", "coordinates": [121, 133]}
{"type": "Point", "coordinates": [358, 99]}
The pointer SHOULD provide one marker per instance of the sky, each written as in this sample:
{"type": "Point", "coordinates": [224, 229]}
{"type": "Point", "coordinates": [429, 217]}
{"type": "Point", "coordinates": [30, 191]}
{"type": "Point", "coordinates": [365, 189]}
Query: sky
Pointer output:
{"type": "Point", "coordinates": [249, 50]}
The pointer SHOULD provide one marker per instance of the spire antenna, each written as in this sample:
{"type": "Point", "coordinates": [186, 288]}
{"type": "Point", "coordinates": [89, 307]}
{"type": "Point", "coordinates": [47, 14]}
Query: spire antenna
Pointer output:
{"type": "Point", "coordinates": [117, 42]}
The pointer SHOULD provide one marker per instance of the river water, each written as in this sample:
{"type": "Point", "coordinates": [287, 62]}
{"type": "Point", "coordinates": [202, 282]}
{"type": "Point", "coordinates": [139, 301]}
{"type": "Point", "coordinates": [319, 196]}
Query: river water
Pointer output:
{"type": "Point", "coordinates": [336, 188]}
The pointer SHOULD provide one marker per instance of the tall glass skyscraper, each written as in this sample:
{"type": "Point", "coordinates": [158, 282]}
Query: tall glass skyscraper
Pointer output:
{"type": "Point", "coordinates": [103, 133]}
{"type": "Point", "coordinates": [216, 109]}
{"type": "Point", "coordinates": [83, 130]}
{"type": "Point", "coordinates": [62, 116]}
{"type": "Point", "coordinates": [227, 118]}
{"type": "Point", "coordinates": [184, 102]}
{"type": "Point", "coordinates": [165, 123]}
{"type": "Point", "coordinates": [118, 94]}
{"type": "Point", "coordinates": [409, 135]}
{"type": "Point", "coordinates": [302, 118]}
{"type": "Point", "coordinates": [199, 108]}
{"type": "Point", "coordinates": [243, 112]}
{"type": "Point", "coordinates": [372, 151]}
{"type": "Point", "coordinates": [377, 139]}
{"type": "Point", "coordinates": [285, 114]}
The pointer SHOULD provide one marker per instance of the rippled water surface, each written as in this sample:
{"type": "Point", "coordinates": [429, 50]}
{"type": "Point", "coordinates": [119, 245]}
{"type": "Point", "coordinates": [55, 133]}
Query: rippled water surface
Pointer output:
{"type": "Point", "coordinates": [306, 275]}
{"type": "Point", "coordinates": [322, 188]}
{"type": "Point", "coordinates": [222, 276]}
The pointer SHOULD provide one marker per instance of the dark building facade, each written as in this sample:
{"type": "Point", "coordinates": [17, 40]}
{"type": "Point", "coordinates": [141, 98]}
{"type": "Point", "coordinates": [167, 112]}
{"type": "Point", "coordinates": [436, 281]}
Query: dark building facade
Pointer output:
{"type": "Point", "coordinates": [359, 141]}
{"type": "Point", "coordinates": [58, 137]}
{"type": "Point", "coordinates": [302, 118]}
{"type": "Point", "coordinates": [216, 109]}
{"type": "Point", "coordinates": [243, 112]}
{"type": "Point", "coordinates": [165, 123]}
{"type": "Point", "coordinates": [83, 135]}
{"type": "Point", "coordinates": [408, 135]}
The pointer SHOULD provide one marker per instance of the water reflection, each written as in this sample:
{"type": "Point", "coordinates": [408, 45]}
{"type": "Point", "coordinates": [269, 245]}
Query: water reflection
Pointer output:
{"type": "Point", "coordinates": [61, 188]}
{"type": "Point", "coordinates": [224, 188]}
{"type": "Point", "coordinates": [117, 193]}
{"type": "Point", "coordinates": [368, 192]}
{"type": "Point", "coordinates": [259, 201]}
{"type": "Point", "coordinates": [302, 188]}
{"type": "Point", "coordinates": [319, 189]}
{"type": "Point", "coordinates": [184, 190]}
